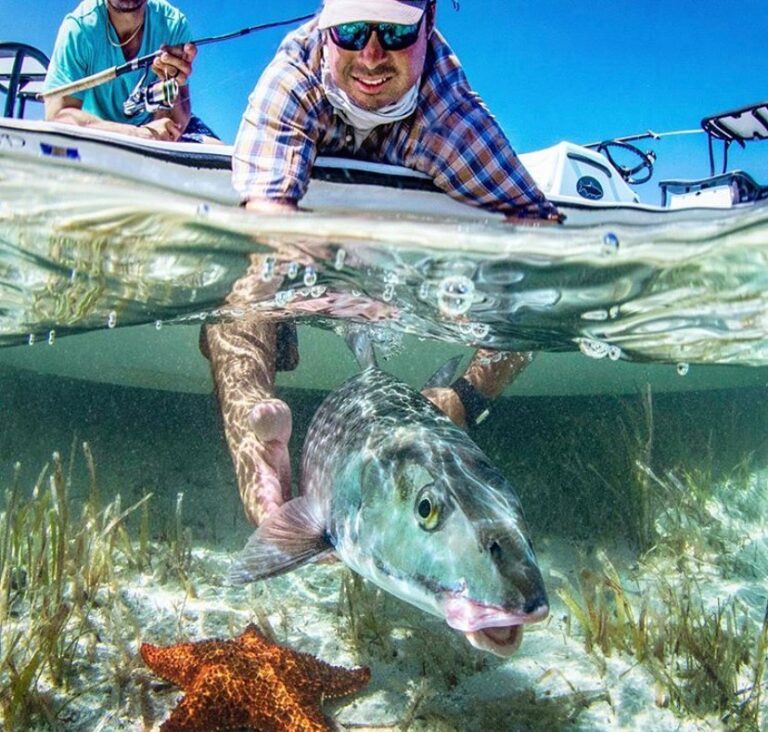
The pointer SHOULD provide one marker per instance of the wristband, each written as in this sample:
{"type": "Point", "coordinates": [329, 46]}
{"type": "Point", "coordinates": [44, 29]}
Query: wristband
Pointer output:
{"type": "Point", "coordinates": [476, 406]}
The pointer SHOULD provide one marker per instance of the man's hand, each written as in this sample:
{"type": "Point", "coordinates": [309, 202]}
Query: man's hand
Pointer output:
{"type": "Point", "coordinates": [267, 462]}
{"type": "Point", "coordinates": [162, 128]}
{"type": "Point", "coordinates": [175, 62]}
{"type": "Point", "coordinates": [523, 221]}
{"type": "Point", "coordinates": [270, 206]}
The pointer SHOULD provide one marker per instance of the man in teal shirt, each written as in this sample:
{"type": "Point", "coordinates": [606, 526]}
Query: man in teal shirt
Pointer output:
{"type": "Point", "coordinates": [100, 34]}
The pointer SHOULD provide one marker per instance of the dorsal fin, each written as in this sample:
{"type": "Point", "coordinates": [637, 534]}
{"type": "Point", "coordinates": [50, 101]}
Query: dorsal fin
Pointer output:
{"type": "Point", "coordinates": [360, 344]}
{"type": "Point", "coordinates": [444, 375]}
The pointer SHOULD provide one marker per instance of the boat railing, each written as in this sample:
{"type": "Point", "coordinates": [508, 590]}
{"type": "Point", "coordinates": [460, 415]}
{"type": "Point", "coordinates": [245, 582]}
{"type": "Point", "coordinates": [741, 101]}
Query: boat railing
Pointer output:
{"type": "Point", "coordinates": [22, 73]}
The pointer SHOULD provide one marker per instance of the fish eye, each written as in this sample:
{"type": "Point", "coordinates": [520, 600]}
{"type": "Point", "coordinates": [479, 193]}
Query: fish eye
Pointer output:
{"type": "Point", "coordinates": [427, 510]}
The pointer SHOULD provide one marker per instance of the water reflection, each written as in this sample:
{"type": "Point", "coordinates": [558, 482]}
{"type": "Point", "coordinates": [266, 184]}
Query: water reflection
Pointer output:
{"type": "Point", "coordinates": [84, 252]}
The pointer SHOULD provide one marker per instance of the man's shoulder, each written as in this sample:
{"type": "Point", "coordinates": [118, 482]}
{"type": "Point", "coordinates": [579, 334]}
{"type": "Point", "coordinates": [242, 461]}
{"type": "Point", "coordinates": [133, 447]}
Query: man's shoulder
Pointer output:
{"type": "Point", "coordinates": [297, 63]}
{"type": "Point", "coordinates": [444, 67]}
{"type": "Point", "coordinates": [444, 87]}
{"type": "Point", "coordinates": [302, 46]}
{"type": "Point", "coordinates": [164, 9]}
{"type": "Point", "coordinates": [85, 15]}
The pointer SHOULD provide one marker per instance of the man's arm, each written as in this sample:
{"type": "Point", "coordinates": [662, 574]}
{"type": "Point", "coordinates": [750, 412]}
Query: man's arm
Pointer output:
{"type": "Point", "coordinates": [266, 205]}
{"type": "Point", "coordinates": [68, 110]}
{"type": "Point", "coordinates": [469, 157]}
{"type": "Point", "coordinates": [277, 140]}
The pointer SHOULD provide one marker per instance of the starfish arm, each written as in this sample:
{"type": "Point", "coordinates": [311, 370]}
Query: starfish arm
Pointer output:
{"type": "Point", "coordinates": [177, 664]}
{"type": "Point", "coordinates": [336, 680]}
{"type": "Point", "coordinates": [286, 706]}
{"type": "Point", "coordinates": [215, 701]}
{"type": "Point", "coordinates": [331, 681]}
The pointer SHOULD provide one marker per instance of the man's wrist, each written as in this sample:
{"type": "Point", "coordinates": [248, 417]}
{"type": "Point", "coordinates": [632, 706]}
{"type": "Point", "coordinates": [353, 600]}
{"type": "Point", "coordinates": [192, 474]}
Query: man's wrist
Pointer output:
{"type": "Point", "coordinates": [476, 405]}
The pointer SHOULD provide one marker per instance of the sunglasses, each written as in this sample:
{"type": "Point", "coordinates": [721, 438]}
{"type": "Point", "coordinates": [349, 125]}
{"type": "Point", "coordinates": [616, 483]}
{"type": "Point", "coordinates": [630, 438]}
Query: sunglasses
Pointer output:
{"type": "Point", "coordinates": [392, 36]}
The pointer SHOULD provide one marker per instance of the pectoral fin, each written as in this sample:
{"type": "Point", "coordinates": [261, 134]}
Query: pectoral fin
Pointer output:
{"type": "Point", "coordinates": [291, 536]}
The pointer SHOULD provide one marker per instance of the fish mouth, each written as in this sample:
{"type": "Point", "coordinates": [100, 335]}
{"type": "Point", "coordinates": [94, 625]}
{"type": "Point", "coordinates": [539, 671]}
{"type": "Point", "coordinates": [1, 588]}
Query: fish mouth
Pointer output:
{"type": "Point", "coordinates": [491, 628]}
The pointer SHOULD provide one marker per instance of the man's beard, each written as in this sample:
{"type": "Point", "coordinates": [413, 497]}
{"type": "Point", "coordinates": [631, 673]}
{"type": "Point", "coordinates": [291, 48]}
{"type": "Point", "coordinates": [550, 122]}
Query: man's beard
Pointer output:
{"type": "Point", "coordinates": [126, 6]}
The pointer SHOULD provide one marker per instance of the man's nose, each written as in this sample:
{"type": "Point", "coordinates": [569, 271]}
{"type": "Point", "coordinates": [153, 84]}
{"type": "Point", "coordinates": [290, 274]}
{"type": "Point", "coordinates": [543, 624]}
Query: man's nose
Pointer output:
{"type": "Point", "coordinates": [372, 52]}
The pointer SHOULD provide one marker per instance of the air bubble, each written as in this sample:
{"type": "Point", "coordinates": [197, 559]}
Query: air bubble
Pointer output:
{"type": "Point", "coordinates": [310, 276]}
{"type": "Point", "coordinates": [268, 269]}
{"type": "Point", "coordinates": [424, 291]}
{"type": "Point", "coordinates": [293, 270]}
{"type": "Point", "coordinates": [595, 315]}
{"type": "Point", "coordinates": [112, 319]}
{"type": "Point", "coordinates": [203, 209]}
{"type": "Point", "coordinates": [480, 330]}
{"type": "Point", "coordinates": [318, 291]}
{"type": "Point", "coordinates": [593, 349]}
{"type": "Point", "coordinates": [610, 243]}
{"type": "Point", "coordinates": [341, 257]}
{"type": "Point", "coordinates": [682, 369]}
{"type": "Point", "coordinates": [31, 339]}
{"type": "Point", "coordinates": [614, 353]}
{"type": "Point", "coordinates": [455, 295]}
{"type": "Point", "coordinates": [283, 297]}
{"type": "Point", "coordinates": [51, 337]}
{"type": "Point", "coordinates": [389, 293]}
{"type": "Point", "coordinates": [158, 325]}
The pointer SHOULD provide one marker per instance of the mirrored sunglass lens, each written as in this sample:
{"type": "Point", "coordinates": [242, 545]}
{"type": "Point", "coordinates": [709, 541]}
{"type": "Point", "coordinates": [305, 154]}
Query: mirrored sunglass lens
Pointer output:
{"type": "Point", "coordinates": [351, 36]}
{"type": "Point", "coordinates": [395, 36]}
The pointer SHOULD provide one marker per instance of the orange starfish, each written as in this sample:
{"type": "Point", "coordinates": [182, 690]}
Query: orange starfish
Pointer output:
{"type": "Point", "coordinates": [249, 682]}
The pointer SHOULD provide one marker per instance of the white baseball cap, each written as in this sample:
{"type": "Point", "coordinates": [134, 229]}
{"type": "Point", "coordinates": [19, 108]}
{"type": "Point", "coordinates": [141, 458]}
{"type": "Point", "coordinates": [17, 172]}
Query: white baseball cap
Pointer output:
{"type": "Point", "coordinates": [336, 12]}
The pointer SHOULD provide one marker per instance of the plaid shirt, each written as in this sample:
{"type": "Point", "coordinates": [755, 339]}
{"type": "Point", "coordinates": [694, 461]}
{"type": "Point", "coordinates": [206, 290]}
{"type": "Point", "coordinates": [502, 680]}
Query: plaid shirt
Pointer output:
{"type": "Point", "coordinates": [451, 136]}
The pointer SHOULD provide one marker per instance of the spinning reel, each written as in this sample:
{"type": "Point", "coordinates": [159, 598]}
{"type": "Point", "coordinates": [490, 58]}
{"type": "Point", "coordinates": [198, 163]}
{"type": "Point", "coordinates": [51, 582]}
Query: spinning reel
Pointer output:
{"type": "Point", "coordinates": [150, 98]}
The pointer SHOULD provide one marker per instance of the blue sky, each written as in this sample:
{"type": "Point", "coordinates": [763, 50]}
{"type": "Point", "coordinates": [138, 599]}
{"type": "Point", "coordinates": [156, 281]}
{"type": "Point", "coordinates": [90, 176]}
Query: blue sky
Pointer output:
{"type": "Point", "coordinates": [550, 70]}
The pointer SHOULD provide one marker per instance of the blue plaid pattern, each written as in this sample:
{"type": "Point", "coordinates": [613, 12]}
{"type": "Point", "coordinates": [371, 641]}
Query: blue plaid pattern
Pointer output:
{"type": "Point", "coordinates": [451, 137]}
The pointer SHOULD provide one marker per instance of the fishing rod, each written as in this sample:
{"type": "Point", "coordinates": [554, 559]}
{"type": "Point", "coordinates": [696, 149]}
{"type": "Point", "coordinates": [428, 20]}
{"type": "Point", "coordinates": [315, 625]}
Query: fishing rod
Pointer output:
{"type": "Point", "coordinates": [647, 135]}
{"type": "Point", "coordinates": [144, 62]}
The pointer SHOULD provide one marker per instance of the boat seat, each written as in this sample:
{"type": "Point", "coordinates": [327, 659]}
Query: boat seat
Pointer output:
{"type": "Point", "coordinates": [725, 189]}
{"type": "Point", "coordinates": [22, 73]}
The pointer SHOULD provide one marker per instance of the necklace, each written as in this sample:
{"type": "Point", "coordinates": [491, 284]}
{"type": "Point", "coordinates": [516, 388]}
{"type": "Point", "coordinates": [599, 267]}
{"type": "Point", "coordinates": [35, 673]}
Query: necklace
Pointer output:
{"type": "Point", "coordinates": [127, 40]}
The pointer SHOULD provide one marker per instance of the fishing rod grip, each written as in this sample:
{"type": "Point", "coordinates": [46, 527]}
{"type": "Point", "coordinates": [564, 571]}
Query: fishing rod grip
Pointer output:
{"type": "Point", "coordinates": [77, 86]}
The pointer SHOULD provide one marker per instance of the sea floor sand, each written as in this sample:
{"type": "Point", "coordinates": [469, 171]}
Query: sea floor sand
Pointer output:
{"type": "Point", "coordinates": [424, 676]}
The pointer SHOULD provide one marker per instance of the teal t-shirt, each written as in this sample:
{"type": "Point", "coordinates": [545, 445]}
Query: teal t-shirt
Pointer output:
{"type": "Point", "coordinates": [83, 48]}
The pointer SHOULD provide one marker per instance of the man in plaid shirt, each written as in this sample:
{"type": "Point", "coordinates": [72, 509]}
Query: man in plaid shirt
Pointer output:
{"type": "Point", "coordinates": [370, 79]}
